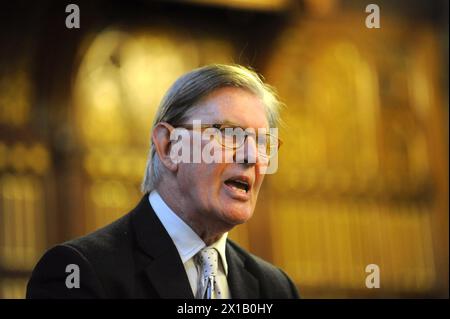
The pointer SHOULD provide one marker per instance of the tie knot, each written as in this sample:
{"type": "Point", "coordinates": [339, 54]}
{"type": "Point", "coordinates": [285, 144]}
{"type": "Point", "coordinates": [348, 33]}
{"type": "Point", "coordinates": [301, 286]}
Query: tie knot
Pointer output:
{"type": "Point", "coordinates": [208, 258]}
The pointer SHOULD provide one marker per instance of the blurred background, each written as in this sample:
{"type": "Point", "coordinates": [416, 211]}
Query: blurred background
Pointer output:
{"type": "Point", "coordinates": [363, 171]}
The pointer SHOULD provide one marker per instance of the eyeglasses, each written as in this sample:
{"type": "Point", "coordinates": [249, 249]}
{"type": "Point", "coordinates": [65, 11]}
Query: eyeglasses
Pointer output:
{"type": "Point", "coordinates": [233, 137]}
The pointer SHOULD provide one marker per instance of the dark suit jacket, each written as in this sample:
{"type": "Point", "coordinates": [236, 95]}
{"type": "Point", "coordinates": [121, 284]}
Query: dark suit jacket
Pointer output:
{"type": "Point", "coordinates": [134, 257]}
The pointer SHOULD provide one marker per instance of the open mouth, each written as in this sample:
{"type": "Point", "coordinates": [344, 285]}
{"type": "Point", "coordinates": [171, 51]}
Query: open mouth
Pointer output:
{"type": "Point", "coordinates": [238, 185]}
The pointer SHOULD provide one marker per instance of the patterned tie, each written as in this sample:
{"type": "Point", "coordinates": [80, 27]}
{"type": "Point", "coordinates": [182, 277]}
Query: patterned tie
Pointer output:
{"type": "Point", "coordinates": [207, 288]}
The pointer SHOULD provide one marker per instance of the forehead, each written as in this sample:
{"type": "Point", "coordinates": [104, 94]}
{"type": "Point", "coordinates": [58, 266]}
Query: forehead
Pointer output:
{"type": "Point", "coordinates": [233, 105]}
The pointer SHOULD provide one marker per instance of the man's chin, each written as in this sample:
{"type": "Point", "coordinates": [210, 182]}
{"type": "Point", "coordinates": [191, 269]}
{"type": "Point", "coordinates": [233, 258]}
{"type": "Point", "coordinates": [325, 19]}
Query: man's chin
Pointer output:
{"type": "Point", "coordinates": [237, 214]}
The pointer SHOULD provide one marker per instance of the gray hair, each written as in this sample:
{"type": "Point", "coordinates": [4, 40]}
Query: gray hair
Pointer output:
{"type": "Point", "coordinates": [190, 88]}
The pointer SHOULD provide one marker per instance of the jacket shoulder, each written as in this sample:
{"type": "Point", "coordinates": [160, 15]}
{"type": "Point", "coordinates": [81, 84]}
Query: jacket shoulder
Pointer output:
{"type": "Point", "coordinates": [58, 273]}
{"type": "Point", "coordinates": [106, 241]}
{"type": "Point", "coordinates": [99, 258]}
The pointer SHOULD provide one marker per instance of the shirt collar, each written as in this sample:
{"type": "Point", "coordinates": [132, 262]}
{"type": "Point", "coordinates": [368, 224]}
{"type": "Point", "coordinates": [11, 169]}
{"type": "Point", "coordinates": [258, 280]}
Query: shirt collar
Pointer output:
{"type": "Point", "coordinates": [187, 242]}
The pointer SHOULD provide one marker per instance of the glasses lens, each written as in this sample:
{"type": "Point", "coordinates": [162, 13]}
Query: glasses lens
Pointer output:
{"type": "Point", "coordinates": [267, 145]}
{"type": "Point", "coordinates": [232, 137]}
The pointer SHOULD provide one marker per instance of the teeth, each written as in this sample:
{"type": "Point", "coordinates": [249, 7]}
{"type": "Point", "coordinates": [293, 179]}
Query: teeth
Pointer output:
{"type": "Point", "coordinates": [239, 189]}
{"type": "Point", "coordinates": [236, 183]}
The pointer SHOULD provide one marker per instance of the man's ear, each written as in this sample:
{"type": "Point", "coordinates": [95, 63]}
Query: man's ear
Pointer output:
{"type": "Point", "coordinates": [162, 142]}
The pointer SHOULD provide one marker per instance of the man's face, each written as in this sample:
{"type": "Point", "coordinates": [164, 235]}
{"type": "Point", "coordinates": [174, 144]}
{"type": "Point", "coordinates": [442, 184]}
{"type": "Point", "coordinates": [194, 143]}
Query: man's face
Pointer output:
{"type": "Point", "coordinates": [211, 191]}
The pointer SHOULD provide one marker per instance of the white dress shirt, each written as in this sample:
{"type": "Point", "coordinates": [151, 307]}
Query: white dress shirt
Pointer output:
{"type": "Point", "coordinates": [188, 244]}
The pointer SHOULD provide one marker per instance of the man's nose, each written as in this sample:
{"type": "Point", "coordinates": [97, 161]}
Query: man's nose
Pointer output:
{"type": "Point", "coordinates": [250, 150]}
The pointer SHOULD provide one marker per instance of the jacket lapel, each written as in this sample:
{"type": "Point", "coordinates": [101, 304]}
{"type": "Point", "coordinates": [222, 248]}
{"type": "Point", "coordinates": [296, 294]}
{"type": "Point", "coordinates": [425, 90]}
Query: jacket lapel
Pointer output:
{"type": "Point", "coordinates": [164, 269]}
{"type": "Point", "coordinates": [242, 284]}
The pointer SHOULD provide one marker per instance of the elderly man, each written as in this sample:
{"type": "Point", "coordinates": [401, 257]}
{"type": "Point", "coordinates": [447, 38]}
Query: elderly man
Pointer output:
{"type": "Point", "coordinates": [174, 243]}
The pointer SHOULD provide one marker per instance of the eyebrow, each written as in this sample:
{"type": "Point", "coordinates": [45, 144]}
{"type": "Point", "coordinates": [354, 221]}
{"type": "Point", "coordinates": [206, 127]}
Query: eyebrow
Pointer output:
{"type": "Point", "coordinates": [232, 124]}
{"type": "Point", "coordinates": [227, 122]}
{"type": "Point", "coordinates": [223, 122]}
